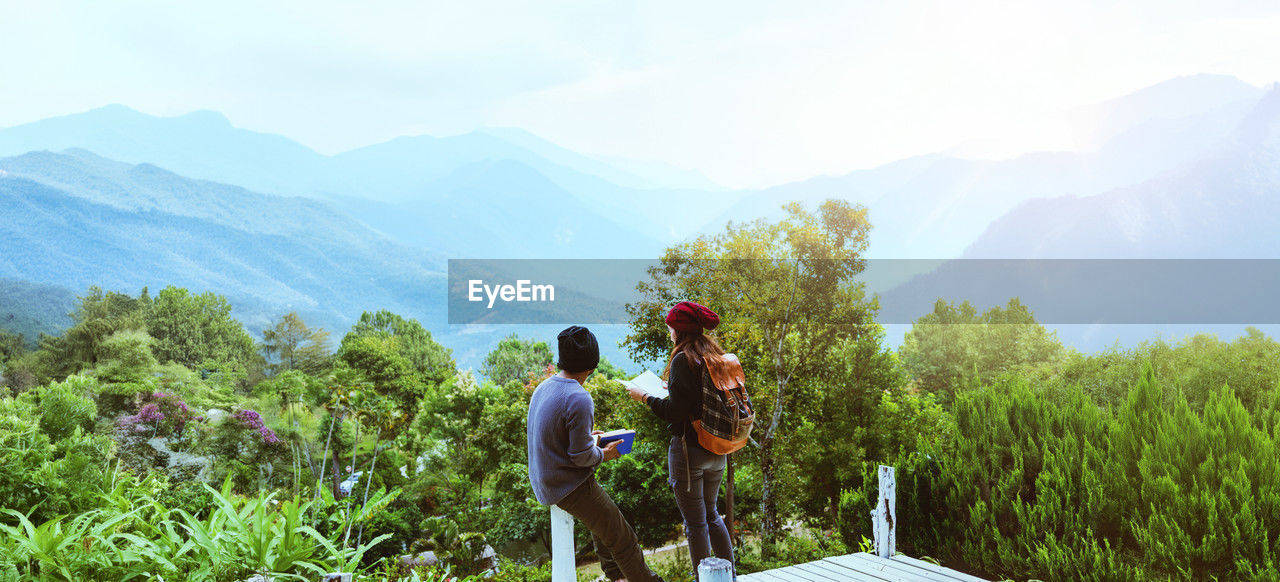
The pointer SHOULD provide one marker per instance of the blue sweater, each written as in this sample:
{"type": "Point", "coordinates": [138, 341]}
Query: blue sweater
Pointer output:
{"type": "Point", "coordinates": [562, 452]}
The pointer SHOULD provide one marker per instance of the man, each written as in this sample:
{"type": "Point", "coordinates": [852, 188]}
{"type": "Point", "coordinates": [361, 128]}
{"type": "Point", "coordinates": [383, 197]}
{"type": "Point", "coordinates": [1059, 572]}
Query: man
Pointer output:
{"type": "Point", "coordinates": [563, 456]}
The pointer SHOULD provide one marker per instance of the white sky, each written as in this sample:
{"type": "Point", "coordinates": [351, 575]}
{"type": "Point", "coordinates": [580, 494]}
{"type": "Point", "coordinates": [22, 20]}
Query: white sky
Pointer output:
{"type": "Point", "coordinates": [750, 93]}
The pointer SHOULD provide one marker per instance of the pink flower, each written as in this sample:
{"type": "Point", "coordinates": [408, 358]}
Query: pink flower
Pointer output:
{"type": "Point", "coordinates": [253, 421]}
{"type": "Point", "coordinates": [150, 413]}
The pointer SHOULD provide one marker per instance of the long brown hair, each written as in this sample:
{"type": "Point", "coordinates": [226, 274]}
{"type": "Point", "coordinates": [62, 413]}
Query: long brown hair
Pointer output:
{"type": "Point", "coordinates": [700, 349]}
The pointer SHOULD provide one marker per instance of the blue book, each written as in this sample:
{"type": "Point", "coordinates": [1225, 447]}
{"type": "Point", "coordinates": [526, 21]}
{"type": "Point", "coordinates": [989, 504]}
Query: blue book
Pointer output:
{"type": "Point", "coordinates": [626, 439]}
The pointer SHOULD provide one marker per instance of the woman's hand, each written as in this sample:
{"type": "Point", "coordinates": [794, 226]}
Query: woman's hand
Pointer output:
{"type": "Point", "coordinates": [637, 394]}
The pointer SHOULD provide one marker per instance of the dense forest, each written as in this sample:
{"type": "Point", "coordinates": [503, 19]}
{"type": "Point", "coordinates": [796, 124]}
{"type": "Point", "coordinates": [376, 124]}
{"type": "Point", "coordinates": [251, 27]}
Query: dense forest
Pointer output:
{"type": "Point", "coordinates": [155, 438]}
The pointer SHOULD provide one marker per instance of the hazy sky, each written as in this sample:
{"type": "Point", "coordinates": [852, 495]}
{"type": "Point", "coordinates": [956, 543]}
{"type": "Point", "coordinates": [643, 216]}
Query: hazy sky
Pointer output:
{"type": "Point", "coordinates": [750, 93]}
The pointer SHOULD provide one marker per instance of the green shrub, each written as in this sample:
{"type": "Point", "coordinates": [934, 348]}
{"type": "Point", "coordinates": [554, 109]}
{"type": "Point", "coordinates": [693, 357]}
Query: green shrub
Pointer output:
{"type": "Point", "coordinates": [45, 478]}
{"type": "Point", "coordinates": [512, 571]}
{"type": "Point", "coordinates": [190, 496]}
{"type": "Point", "coordinates": [797, 548]}
{"type": "Point", "coordinates": [675, 567]}
{"type": "Point", "coordinates": [64, 407]}
{"type": "Point", "coordinates": [1047, 484]}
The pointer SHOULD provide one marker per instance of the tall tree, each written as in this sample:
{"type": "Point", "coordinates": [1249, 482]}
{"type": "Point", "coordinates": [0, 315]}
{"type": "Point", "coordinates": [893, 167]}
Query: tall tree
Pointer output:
{"type": "Point", "coordinates": [98, 315]}
{"type": "Point", "coordinates": [786, 295]}
{"type": "Point", "coordinates": [516, 359]}
{"type": "Point", "coordinates": [954, 345]}
{"type": "Point", "coordinates": [12, 345]}
{"type": "Point", "coordinates": [413, 342]}
{"type": "Point", "coordinates": [380, 360]}
{"type": "Point", "coordinates": [292, 345]}
{"type": "Point", "coordinates": [198, 330]}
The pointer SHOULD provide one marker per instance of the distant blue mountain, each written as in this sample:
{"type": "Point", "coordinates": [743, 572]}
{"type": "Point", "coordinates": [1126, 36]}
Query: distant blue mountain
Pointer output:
{"type": "Point", "coordinates": [504, 209]}
{"type": "Point", "coordinates": [626, 172]}
{"type": "Point", "coordinates": [30, 309]}
{"type": "Point", "coordinates": [121, 199]}
{"type": "Point", "coordinates": [201, 144]}
{"type": "Point", "coordinates": [76, 220]}
{"type": "Point", "coordinates": [935, 206]}
{"type": "Point", "coordinates": [407, 177]}
{"type": "Point", "coordinates": [72, 220]}
{"type": "Point", "coordinates": [1168, 101]}
{"type": "Point", "coordinates": [1225, 204]}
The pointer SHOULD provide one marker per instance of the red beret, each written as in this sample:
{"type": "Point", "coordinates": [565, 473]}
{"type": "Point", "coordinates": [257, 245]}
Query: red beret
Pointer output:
{"type": "Point", "coordinates": [691, 317]}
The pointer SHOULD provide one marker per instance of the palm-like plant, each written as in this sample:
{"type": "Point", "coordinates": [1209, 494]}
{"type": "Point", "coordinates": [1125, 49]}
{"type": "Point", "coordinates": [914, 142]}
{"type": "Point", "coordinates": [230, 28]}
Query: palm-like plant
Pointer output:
{"type": "Point", "coordinates": [240, 537]}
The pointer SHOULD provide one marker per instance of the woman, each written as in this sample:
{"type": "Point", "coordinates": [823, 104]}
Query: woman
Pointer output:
{"type": "Point", "coordinates": [695, 473]}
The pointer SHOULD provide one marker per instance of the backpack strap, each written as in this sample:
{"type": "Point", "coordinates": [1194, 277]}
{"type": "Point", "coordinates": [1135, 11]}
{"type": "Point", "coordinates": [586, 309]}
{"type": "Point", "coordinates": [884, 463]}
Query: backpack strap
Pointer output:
{"type": "Point", "coordinates": [688, 473]}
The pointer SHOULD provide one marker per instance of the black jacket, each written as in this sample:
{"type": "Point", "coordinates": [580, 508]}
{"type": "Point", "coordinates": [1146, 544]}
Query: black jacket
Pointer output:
{"type": "Point", "coordinates": [684, 404]}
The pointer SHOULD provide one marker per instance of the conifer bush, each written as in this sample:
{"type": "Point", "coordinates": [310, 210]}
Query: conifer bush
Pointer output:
{"type": "Point", "coordinates": [1045, 483]}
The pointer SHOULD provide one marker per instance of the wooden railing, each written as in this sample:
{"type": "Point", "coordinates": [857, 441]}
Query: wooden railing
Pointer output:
{"type": "Point", "coordinates": [884, 527]}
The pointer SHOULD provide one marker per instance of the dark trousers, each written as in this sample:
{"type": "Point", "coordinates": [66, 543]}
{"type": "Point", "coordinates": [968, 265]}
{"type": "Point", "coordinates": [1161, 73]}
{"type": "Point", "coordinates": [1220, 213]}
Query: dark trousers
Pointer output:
{"type": "Point", "coordinates": [697, 486]}
{"type": "Point", "coordinates": [616, 543]}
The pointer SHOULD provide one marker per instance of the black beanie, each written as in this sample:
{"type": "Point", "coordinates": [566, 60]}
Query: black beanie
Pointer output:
{"type": "Point", "coordinates": [579, 351]}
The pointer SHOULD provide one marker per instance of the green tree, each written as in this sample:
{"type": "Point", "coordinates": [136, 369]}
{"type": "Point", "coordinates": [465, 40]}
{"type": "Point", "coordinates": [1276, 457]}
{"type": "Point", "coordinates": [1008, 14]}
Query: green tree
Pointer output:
{"type": "Point", "coordinates": [610, 371]}
{"type": "Point", "coordinates": [98, 315]}
{"type": "Point", "coordinates": [1197, 365]}
{"type": "Point", "coordinates": [786, 295]}
{"type": "Point", "coordinates": [1042, 482]}
{"type": "Point", "coordinates": [198, 331]}
{"type": "Point", "coordinates": [954, 345]}
{"type": "Point", "coordinates": [413, 342]}
{"type": "Point", "coordinates": [842, 421]}
{"type": "Point", "coordinates": [12, 345]}
{"type": "Point", "coordinates": [293, 387]}
{"type": "Point", "coordinates": [381, 361]}
{"type": "Point", "coordinates": [515, 360]}
{"type": "Point", "coordinates": [448, 425]}
{"type": "Point", "coordinates": [127, 357]}
{"type": "Point", "coordinates": [127, 368]}
{"type": "Point", "coordinates": [12, 350]}
{"type": "Point", "coordinates": [292, 345]}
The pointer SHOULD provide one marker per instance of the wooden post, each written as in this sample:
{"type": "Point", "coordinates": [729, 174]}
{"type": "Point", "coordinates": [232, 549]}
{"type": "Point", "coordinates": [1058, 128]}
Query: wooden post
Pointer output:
{"type": "Point", "coordinates": [563, 558]}
{"type": "Point", "coordinates": [884, 517]}
{"type": "Point", "coordinates": [715, 570]}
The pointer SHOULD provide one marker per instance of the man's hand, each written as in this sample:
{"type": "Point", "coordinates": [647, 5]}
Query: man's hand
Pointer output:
{"type": "Point", "coordinates": [637, 394]}
{"type": "Point", "coordinates": [611, 451]}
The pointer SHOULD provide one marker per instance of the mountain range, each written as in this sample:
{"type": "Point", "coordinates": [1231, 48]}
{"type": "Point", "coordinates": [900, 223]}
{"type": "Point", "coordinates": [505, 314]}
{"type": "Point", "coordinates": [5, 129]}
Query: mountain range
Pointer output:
{"type": "Point", "coordinates": [934, 206]}
{"type": "Point", "coordinates": [121, 199]}
{"type": "Point", "coordinates": [75, 219]}
{"type": "Point", "coordinates": [409, 187]}
{"type": "Point", "coordinates": [1224, 204]}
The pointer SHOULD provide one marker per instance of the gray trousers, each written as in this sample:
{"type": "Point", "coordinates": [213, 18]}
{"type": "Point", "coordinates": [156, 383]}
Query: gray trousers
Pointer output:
{"type": "Point", "coordinates": [696, 487]}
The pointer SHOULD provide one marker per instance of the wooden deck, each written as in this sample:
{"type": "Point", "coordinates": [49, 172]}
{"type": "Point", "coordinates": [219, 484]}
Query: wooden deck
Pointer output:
{"type": "Point", "coordinates": [862, 567]}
